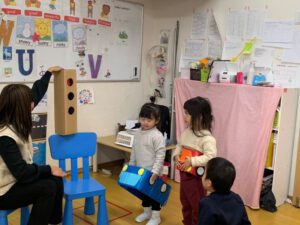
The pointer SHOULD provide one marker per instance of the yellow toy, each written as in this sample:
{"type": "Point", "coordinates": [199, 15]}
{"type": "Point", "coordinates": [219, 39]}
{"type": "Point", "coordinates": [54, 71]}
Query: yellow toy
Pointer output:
{"type": "Point", "coordinates": [248, 47]}
{"type": "Point", "coordinates": [10, 2]}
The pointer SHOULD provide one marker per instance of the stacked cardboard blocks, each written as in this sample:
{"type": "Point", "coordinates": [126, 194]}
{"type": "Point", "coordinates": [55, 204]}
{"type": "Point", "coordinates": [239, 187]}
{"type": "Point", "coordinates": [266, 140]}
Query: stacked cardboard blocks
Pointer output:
{"type": "Point", "coordinates": [65, 95]}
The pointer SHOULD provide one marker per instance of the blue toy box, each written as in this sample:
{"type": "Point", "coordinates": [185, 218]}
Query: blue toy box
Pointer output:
{"type": "Point", "coordinates": [136, 180]}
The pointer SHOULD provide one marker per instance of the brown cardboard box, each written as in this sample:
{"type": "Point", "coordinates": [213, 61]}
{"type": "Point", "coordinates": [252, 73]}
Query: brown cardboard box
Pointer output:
{"type": "Point", "coordinates": [65, 102]}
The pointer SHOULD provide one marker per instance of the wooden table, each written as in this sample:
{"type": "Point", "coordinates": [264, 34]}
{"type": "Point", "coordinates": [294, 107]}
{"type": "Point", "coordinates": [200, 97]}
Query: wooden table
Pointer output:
{"type": "Point", "coordinates": [109, 141]}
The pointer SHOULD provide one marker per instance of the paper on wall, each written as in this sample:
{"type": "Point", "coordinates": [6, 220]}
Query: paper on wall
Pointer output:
{"type": "Point", "coordinates": [263, 57]}
{"type": "Point", "coordinates": [292, 55]}
{"type": "Point", "coordinates": [255, 23]}
{"type": "Point", "coordinates": [214, 48]}
{"type": "Point", "coordinates": [199, 25]}
{"type": "Point", "coordinates": [86, 96]}
{"type": "Point", "coordinates": [277, 45]}
{"type": "Point", "coordinates": [231, 49]}
{"type": "Point", "coordinates": [236, 24]}
{"type": "Point", "coordinates": [60, 34]}
{"type": "Point", "coordinates": [79, 37]}
{"type": "Point", "coordinates": [25, 30]}
{"type": "Point", "coordinates": [286, 76]}
{"type": "Point", "coordinates": [185, 73]}
{"type": "Point", "coordinates": [278, 31]}
{"type": "Point", "coordinates": [213, 30]}
{"type": "Point", "coordinates": [185, 62]}
{"type": "Point", "coordinates": [195, 49]}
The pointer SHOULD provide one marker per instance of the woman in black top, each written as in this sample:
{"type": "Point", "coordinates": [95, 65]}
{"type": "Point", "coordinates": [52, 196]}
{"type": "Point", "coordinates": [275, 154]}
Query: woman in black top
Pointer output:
{"type": "Point", "coordinates": [22, 182]}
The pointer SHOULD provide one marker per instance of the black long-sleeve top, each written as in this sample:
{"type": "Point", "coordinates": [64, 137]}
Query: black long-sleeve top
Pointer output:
{"type": "Point", "coordinates": [222, 209]}
{"type": "Point", "coordinates": [39, 88]}
{"type": "Point", "coordinates": [10, 153]}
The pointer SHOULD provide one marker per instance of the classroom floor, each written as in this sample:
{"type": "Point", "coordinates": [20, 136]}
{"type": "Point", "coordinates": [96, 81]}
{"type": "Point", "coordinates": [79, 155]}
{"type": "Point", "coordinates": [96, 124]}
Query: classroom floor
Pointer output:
{"type": "Point", "coordinates": [123, 208]}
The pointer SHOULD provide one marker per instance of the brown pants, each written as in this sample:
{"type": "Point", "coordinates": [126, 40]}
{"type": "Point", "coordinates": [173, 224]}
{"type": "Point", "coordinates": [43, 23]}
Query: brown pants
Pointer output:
{"type": "Point", "coordinates": [191, 191]}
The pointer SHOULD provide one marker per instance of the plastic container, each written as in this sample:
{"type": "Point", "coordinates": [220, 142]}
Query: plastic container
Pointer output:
{"type": "Point", "coordinates": [240, 78]}
{"type": "Point", "coordinates": [251, 74]}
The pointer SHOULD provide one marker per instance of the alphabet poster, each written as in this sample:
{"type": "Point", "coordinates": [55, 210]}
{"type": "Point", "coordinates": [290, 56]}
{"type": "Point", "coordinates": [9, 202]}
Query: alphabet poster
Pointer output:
{"type": "Point", "coordinates": [72, 10]}
{"type": "Point", "coordinates": [60, 34]}
{"type": "Point", "coordinates": [101, 39]}
{"type": "Point", "coordinates": [43, 34]}
{"type": "Point", "coordinates": [25, 30]}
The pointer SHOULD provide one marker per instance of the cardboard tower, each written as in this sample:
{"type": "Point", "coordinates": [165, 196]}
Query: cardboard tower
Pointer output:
{"type": "Point", "coordinates": [65, 103]}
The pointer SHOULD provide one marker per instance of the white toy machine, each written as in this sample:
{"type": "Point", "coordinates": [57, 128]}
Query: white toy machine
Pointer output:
{"type": "Point", "coordinates": [125, 139]}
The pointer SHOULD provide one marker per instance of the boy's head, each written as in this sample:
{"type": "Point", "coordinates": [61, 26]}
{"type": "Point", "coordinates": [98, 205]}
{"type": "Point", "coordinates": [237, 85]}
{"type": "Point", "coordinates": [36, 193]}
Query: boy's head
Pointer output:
{"type": "Point", "coordinates": [219, 175]}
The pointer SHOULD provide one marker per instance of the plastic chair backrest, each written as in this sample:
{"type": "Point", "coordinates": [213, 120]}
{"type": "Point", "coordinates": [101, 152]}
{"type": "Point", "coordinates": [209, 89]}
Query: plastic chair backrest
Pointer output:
{"type": "Point", "coordinates": [74, 146]}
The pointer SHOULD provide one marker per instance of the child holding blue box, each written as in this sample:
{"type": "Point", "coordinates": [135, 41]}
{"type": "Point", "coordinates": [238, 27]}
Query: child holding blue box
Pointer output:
{"type": "Point", "coordinates": [149, 151]}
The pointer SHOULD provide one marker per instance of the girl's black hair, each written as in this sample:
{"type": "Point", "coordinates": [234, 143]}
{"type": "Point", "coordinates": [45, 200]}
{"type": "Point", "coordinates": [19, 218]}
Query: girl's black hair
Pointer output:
{"type": "Point", "coordinates": [150, 111]}
{"type": "Point", "coordinates": [201, 114]}
{"type": "Point", "coordinates": [221, 173]}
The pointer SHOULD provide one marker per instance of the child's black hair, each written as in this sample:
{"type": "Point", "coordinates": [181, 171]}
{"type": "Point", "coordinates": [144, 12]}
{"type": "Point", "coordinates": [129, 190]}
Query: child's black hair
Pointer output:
{"type": "Point", "coordinates": [221, 173]}
{"type": "Point", "coordinates": [201, 114]}
{"type": "Point", "coordinates": [150, 111]}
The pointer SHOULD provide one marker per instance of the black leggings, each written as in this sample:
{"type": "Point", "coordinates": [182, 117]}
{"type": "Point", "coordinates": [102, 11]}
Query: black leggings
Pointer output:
{"type": "Point", "coordinates": [45, 194]}
{"type": "Point", "coordinates": [148, 202]}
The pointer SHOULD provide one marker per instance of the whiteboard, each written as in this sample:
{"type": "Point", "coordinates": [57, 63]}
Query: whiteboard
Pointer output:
{"type": "Point", "coordinates": [99, 48]}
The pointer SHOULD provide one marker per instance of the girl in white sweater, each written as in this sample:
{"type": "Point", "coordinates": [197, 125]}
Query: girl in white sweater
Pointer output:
{"type": "Point", "coordinates": [197, 137]}
{"type": "Point", "coordinates": [149, 151]}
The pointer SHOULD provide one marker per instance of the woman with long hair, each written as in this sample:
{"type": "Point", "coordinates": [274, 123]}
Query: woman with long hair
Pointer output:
{"type": "Point", "coordinates": [23, 182]}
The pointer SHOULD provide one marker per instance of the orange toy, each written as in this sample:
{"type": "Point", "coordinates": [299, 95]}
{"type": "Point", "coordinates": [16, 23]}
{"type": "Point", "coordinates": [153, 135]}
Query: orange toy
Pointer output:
{"type": "Point", "coordinates": [186, 152]}
{"type": "Point", "coordinates": [33, 3]}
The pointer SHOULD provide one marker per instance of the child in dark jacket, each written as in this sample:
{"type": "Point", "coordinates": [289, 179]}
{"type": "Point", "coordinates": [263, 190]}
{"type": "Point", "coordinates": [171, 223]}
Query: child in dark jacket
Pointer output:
{"type": "Point", "coordinates": [222, 206]}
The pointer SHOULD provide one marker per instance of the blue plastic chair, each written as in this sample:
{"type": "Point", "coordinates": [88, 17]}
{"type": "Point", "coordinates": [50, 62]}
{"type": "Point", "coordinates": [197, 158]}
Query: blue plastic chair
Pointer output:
{"type": "Point", "coordinates": [23, 218]}
{"type": "Point", "coordinates": [79, 145]}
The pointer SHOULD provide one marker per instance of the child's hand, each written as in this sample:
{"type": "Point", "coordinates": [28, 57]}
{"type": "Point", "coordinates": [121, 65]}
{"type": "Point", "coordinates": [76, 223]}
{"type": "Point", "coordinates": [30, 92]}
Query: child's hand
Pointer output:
{"type": "Point", "coordinates": [176, 158]}
{"type": "Point", "coordinates": [187, 163]}
{"type": "Point", "coordinates": [179, 165]}
{"type": "Point", "coordinates": [153, 178]}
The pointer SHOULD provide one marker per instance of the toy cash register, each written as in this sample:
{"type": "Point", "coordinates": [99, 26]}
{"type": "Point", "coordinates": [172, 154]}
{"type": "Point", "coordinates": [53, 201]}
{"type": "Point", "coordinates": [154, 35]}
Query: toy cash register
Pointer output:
{"type": "Point", "coordinates": [187, 152]}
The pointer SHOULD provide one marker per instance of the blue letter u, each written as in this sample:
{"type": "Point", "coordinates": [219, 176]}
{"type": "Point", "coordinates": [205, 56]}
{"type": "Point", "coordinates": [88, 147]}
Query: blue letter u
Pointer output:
{"type": "Point", "coordinates": [20, 53]}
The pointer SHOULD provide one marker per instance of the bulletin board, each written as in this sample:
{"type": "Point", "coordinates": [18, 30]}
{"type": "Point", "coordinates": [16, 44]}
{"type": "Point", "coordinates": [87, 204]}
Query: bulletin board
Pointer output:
{"type": "Point", "coordinates": [101, 39]}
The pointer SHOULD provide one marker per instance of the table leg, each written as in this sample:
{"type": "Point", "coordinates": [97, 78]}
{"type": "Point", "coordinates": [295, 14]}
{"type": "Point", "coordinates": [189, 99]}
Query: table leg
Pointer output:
{"type": "Point", "coordinates": [95, 161]}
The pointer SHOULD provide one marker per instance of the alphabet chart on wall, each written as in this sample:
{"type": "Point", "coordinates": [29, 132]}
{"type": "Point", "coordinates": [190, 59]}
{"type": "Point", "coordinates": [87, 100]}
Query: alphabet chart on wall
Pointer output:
{"type": "Point", "coordinates": [101, 39]}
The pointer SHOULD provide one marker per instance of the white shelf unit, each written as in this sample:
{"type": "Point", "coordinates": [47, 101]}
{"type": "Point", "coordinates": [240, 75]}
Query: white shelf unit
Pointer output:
{"type": "Point", "coordinates": [282, 156]}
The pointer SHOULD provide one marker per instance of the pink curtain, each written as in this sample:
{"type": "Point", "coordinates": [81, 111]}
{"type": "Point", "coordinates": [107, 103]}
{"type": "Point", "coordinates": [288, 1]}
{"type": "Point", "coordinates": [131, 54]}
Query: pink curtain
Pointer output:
{"type": "Point", "coordinates": [243, 121]}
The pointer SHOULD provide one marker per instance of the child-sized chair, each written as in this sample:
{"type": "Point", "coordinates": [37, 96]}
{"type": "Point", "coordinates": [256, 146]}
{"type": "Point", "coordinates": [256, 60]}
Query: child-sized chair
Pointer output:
{"type": "Point", "coordinates": [74, 146]}
{"type": "Point", "coordinates": [23, 218]}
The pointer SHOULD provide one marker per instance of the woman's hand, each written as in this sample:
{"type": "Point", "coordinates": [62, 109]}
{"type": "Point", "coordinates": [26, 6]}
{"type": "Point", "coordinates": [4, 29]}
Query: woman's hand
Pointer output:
{"type": "Point", "coordinates": [58, 172]}
{"type": "Point", "coordinates": [55, 69]}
